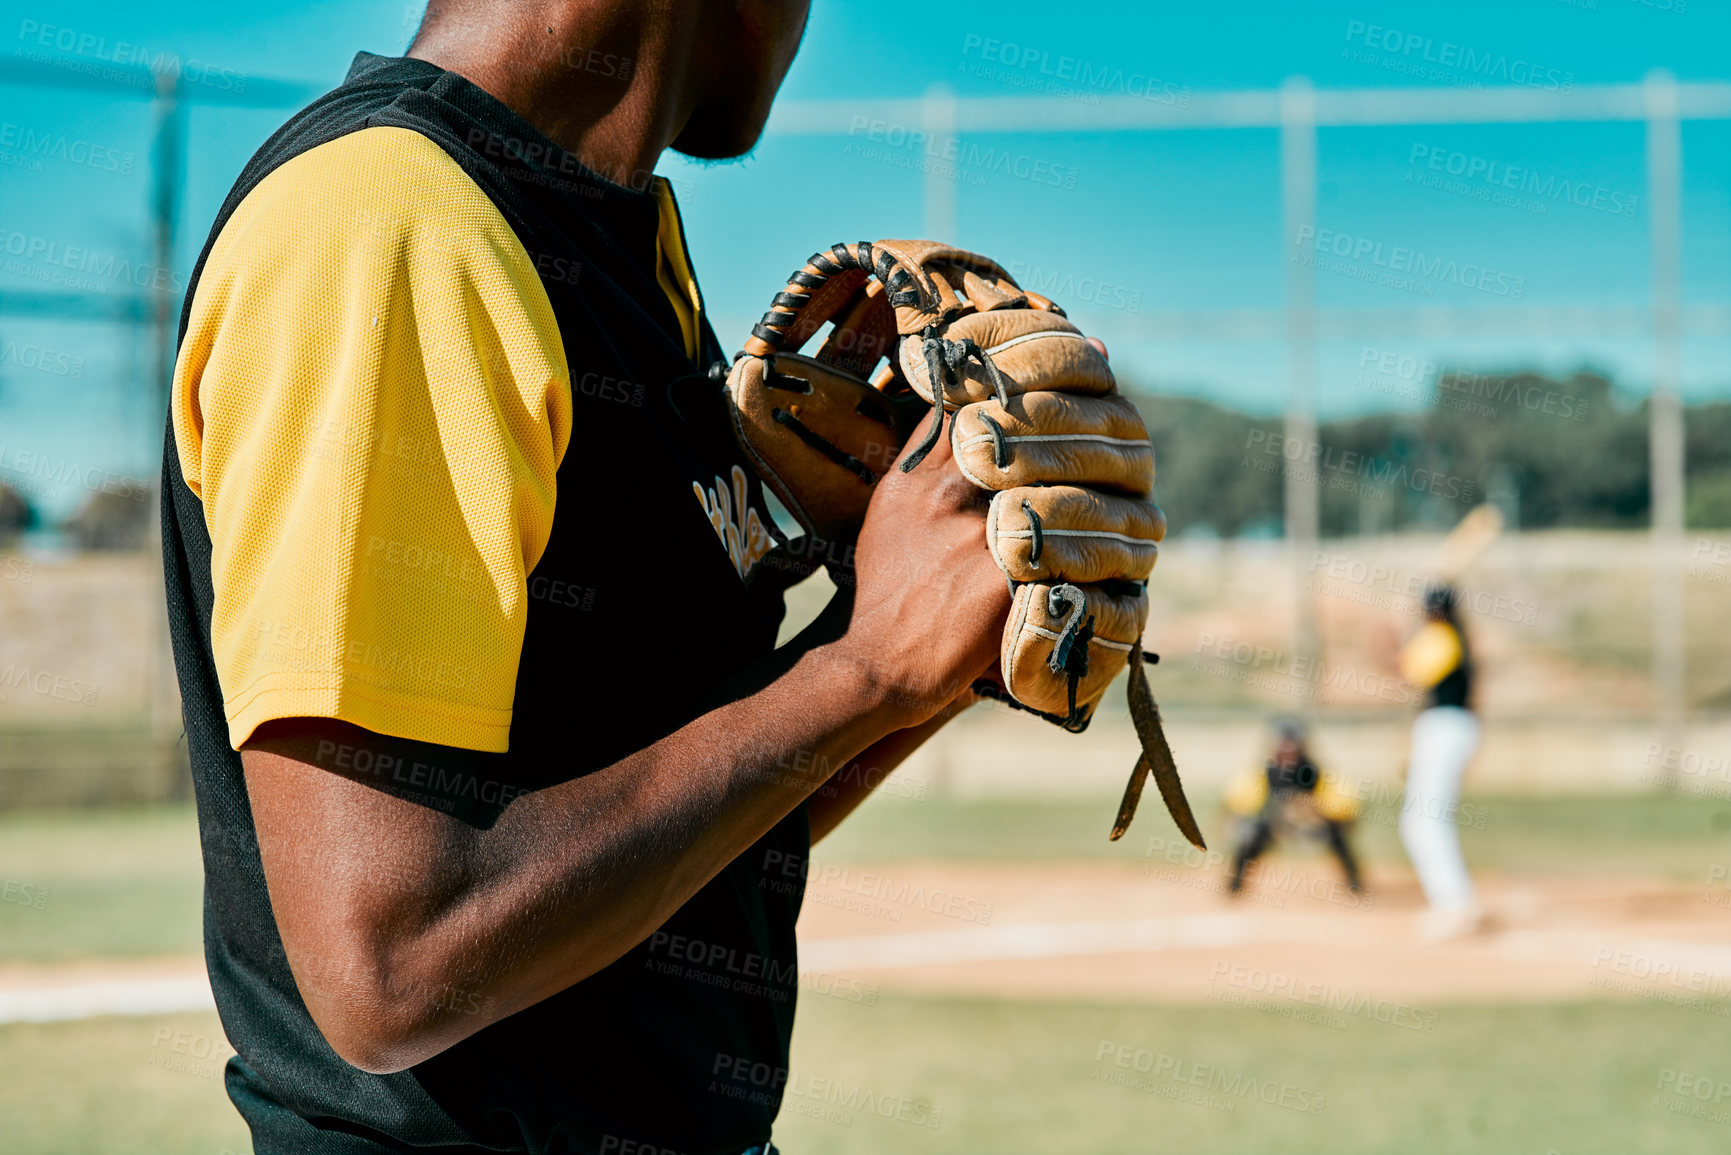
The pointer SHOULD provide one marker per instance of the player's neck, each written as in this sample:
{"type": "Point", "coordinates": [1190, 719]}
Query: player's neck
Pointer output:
{"type": "Point", "coordinates": [613, 87]}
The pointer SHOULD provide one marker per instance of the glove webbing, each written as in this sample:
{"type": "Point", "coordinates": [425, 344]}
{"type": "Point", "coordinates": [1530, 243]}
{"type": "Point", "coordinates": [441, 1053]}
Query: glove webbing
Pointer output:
{"type": "Point", "coordinates": [817, 271]}
{"type": "Point", "coordinates": [899, 283]}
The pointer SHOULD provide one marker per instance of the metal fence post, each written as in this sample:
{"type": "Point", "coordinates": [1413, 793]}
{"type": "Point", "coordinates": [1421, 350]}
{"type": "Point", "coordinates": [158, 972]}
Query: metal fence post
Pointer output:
{"type": "Point", "coordinates": [1664, 209]}
{"type": "Point", "coordinates": [938, 116]}
{"type": "Point", "coordinates": [1298, 203]}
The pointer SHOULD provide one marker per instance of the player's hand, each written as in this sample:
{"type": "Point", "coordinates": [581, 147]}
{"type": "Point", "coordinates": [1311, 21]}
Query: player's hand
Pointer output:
{"type": "Point", "coordinates": [929, 603]}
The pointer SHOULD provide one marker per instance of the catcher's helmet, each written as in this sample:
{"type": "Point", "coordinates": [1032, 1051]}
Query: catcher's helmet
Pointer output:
{"type": "Point", "coordinates": [1439, 600]}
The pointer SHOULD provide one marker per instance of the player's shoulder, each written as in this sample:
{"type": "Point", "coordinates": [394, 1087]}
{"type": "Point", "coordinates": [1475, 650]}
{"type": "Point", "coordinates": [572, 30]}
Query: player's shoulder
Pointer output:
{"type": "Point", "coordinates": [1438, 633]}
{"type": "Point", "coordinates": [379, 190]}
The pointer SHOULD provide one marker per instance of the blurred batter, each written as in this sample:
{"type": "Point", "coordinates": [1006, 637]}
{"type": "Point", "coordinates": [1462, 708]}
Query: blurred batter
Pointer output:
{"type": "Point", "coordinates": [1444, 736]}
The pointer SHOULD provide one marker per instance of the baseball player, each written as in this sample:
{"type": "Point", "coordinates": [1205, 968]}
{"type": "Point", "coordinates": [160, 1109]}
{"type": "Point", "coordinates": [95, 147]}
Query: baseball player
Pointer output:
{"type": "Point", "coordinates": [1444, 735]}
{"type": "Point", "coordinates": [505, 794]}
{"type": "Point", "coordinates": [1291, 791]}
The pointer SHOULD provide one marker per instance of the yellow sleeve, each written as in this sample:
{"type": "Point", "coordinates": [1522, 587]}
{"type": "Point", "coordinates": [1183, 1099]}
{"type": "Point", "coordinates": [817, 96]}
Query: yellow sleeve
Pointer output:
{"type": "Point", "coordinates": [1333, 800]}
{"type": "Point", "coordinates": [372, 401]}
{"type": "Point", "coordinates": [1431, 655]}
{"type": "Point", "coordinates": [1247, 792]}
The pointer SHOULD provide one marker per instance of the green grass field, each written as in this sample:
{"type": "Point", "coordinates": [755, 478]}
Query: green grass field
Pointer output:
{"type": "Point", "coordinates": [118, 882]}
{"type": "Point", "coordinates": [1026, 1077]}
{"type": "Point", "coordinates": [1645, 835]}
{"type": "Point", "coordinates": [998, 1076]}
{"type": "Point", "coordinates": [115, 1087]}
{"type": "Point", "coordinates": [126, 883]}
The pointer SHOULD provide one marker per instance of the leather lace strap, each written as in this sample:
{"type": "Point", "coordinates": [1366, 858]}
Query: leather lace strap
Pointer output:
{"type": "Point", "coordinates": [1155, 760]}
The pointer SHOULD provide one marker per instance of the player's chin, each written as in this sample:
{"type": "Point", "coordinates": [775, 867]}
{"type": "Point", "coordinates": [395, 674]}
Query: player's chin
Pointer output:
{"type": "Point", "coordinates": [721, 132]}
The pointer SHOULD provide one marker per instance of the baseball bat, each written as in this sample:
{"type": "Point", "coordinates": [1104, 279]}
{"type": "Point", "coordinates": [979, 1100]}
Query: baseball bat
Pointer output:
{"type": "Point", "coordinates": [1467, 542]}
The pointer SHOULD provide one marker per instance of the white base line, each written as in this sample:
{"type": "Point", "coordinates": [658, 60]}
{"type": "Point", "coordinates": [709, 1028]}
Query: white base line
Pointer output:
{"type": "Point", "coordinates": [1028, 941]}
{"type": "Point", "coordinates": [53, 1004]}
{"type": "Point", "coordinates": [1595, 952]}
{"type": "Point", "coordinates": [1041, 940]}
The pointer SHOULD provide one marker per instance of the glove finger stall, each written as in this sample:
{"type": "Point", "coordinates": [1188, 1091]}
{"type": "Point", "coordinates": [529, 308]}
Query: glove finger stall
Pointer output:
{"type": "Point", "coordinates": [1034, 631]}
{"type": "Point", "coordinates": [1055, 439]}
{"type": "Point", "coordinates": [1070, 534]}
{"type": "Point", "coordinates": [1033, 349]}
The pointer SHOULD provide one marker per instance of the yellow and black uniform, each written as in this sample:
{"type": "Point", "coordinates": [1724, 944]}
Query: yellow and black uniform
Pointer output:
{"type": "Point", "coordinates": [1260, 798]}
{"type": "Point", "coordinates": [1437, 660]}
{"type": "Point", "coordinates": [437, 384]}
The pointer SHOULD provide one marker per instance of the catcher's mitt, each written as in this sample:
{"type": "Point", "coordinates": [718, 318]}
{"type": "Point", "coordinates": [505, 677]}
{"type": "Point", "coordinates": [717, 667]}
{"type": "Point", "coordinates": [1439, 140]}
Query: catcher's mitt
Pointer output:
{"type": "Point", "coordinates": [1037, 420]}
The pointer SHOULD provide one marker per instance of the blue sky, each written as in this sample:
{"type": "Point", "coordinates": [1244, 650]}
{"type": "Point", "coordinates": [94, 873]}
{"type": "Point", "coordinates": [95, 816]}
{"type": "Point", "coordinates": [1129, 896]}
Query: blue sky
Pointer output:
{"type": "Point", "coordinates": [1151, 221]}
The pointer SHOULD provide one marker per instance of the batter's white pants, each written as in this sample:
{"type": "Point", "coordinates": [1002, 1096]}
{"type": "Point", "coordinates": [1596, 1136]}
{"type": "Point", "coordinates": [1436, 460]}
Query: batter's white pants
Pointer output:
{"type": "Point", "coordinates": [1443, 741]}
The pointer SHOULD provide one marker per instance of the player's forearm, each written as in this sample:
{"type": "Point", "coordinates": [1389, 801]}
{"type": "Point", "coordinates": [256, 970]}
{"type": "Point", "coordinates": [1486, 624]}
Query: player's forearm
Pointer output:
{"type": "Point", "coordinates": [568, 878]}
{"type": "Point", "coordinates": [689, 805]}
{"type": "Point", "coordinates": [851, 785]}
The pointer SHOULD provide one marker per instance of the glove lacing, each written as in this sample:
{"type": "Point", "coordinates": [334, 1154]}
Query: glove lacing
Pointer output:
{"type": "Point", "coordinates": [1070, 651]}
{"type": "Point", "coordinates": [1036, 530]}
{"type": "Point", "coordinates": [944, 361]}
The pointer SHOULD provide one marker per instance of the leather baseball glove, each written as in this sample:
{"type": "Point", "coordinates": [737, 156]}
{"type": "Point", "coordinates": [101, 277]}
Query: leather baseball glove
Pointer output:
{"type": "Point", "coordinates": [1037, 421]}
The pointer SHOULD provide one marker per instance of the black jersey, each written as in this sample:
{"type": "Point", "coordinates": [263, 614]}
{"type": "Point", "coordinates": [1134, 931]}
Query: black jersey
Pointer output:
{"type": "Point", "coordinates": [435, 382]}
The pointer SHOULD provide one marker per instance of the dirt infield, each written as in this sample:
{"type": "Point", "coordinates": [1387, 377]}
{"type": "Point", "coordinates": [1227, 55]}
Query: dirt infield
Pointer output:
{"type": "Point", "coordinates": [1162, 931]}
{"type": "Point", "coordinates": [1295, 944]}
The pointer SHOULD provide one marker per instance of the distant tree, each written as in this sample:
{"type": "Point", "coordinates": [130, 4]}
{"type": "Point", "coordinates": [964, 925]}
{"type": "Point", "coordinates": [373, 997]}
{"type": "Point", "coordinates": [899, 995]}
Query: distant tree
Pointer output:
{"type": "Point", "coordinates": [1206, 476]}
{"type": "Point", "coordinates": [1566, 449]}
{"type": "Point", "coordinates": [111, 521]}
{"type": "Point", "coordinates": [1709, 501]}
{"type": "Point", "coordinates": [1707, 463]}
{"type": "Point", "coordinates": [16, 514]}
